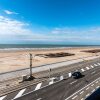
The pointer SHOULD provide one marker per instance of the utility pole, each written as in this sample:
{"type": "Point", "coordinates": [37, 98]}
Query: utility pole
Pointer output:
{"type": "Point", "coordinates": [31, 77]}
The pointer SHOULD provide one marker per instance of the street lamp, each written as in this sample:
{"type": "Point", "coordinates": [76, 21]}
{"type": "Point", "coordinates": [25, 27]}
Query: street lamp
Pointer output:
{"type": "Point", "coordinates": [31, 77]}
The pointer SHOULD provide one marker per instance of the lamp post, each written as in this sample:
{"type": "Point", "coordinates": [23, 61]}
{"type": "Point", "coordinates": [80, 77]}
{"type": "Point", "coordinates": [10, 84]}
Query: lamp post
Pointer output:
{"type": "Point", "coordinates": [31, 77]}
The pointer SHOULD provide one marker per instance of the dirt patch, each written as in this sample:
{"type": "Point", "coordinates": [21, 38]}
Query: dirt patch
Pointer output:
{"type": "Point", "coordinates": [55, 55]}
{"type": "Point", "coordinates": [92, 51]}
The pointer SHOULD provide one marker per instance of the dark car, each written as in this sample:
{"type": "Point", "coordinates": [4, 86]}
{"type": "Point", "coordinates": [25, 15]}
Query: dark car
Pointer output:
{"type": "Point", "coordinates": [77, 75]}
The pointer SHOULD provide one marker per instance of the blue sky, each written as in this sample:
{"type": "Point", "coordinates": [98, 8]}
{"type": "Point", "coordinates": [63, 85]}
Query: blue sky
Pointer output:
{"type": "Point", "coordinates": [50, 21]}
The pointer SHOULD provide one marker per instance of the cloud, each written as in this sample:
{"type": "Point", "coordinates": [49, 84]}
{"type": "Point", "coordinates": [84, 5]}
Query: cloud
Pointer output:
{"type": "Point", "coordinates": [9, 12]}
{"type": "Point", "coordinates": [12, 30]}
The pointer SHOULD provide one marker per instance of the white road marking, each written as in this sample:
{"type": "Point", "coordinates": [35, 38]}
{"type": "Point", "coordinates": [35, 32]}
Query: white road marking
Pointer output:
{"type": "Point", "coordinates": [61, 77]}
{"type": "Point", "coordinates": [92, 85]}
{"type": "Point", "coordinates": [82, 99]}
{"type": "Point", "coordinates": [20, 93]}
{"type": "Point", "coordinates": [51, 82]}
{"type": "Point", "coordinates": [93, 90]}
{"type": "Point", "coordinates": [1, 98]}
{"type": "Point", "coordinates": [82, 89]}
{"type": "Point", "coordinates": [82, 70]}
{"type": "Point", "coordinates": [92, 66]}
{"type": "Point", "coordinates": [93, 72]}
{"type": "Point", "coordinates": [87, 95]}
{"type": "Point", "coordinates": [81, 92]}
{"type": "Point", "coordinates": [74, 97]}
{"type": "Point", "coordinates": [97, 87]}
{"type": "Point", "coordinates": [95, 65]}
{"type": "Point", "coordinates": [96, 81]}
{"type": "Point", "coordinates": [73, 82]}
{"type": "Point", "coordinates": [98, 63]}
{"type": "Point", "coordinates": [87, 68]}
{"type": "Point", "coordinates": [87, 88]}
{"type": "Point", "coordinates": [69, 74]}
{"type": "Point", "coordinates": [38, 86]}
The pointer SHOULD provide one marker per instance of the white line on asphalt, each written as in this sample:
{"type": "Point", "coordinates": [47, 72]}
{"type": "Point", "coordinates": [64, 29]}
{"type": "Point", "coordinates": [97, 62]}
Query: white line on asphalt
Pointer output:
{"type": "Point", "coordinates": [74, 97]}
{"type": "Point", "coordinates": [92, 66]}
{"type": "Point", "coordinates": [87, 95]}
{"type": "Point", "coordinates": [69, 74]}
{"type": "Point", "coordinates": [87, 88]}
{"type": "Point", "coordinates": [98, 63]}
{"type": "Point", "coordinates": [93, 90]}
{"type": "Point", "coordinates": [87, 68]}
{"type": "Point", "coordinates": [97, 87]}
{"type": "Point", "coordinates": [73, 82]}
{"type": "Point", "coordinates": [20, 93]}
{"type": "Point", "coordinates": [81, 92]}
{"type": "Point", "coordinates": [82, 99]}
{"type": "Point", "coordinates": [92, 85]}
{"type": "Point", "coordinates": [96, 82]}
{"type": "Point", "coordinates": [38, 86]}
{"type": "Point", "coordinates": [82, 88]}
{"type": "Point", "coordinates": [61, 77]}
{"type": "Point", "coordinates": [93, 72]}
{"type": "Point", "coordinates": [95, 65]}
{"type": "Point", "coordinates": [82, 70]}
{"type": "Point", "coordinates": [1, 98]}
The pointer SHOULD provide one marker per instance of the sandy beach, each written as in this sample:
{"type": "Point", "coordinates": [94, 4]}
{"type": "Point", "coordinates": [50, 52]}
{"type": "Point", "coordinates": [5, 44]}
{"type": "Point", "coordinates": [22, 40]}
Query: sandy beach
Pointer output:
{"type": "Point", "coordinates": [15, 60]}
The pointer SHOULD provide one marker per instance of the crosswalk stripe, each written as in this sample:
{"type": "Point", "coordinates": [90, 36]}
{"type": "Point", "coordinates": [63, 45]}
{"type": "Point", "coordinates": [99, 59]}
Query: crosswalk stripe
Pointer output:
{"type": "Point", "coordinates": [98, 63]}
{"type": "Point", "coordinates": [61, 77]}
{"type": "Point", "coordinates": [82, 70]}
{"type": "Point", "coordinates": [92, 66]}
{"type": "Point", "coordinates": [95, 65]}
{"type": "Point", "coordinates": [87, 68]}
{"type": "Point", "coordinates": [20, 93]}
{"type": "Point", "coordinates": [38, 86]}
{"type": "Point", "coordinates": [1, 98]}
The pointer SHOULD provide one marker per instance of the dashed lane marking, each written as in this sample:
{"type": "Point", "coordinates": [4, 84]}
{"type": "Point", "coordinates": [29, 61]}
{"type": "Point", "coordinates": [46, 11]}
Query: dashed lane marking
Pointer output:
{"type": "Point", "coordinates": [87, 68]}
{"type": "Point", "coordinates": [93, 72]}
{"type": "Point", "coordinates": [92, 66]}
{"type": "Point", "coordinates": [97, 87]}
{"type": "Point", "coordinates": [73, 82]}
{"type": "Point", "coordinates": [87, 88]}
{"type": "Point", "coordinates": [39, 98]}
{"type": "Point", "coordinates": [92, 85]}
{"type": "Point", "coordinates": [20, 93]}
{"type": "Point", "coordinates": [1, 98]}
{"type": "Point", "coordinates": [74, 97]}
{"type": "Point", "coordinates": [82, 70]}
{"type": "Point", "coordinates": [61, 77]}
{"type": "Point", "coordinates": [98, 63]}
{"type": "Point", "coordinates": [82, 99]}
{"type": "Point", "coordinates": [81, 92]}
{"type": "Point", "coordinates": [69, 74]}
{"type": "Point", "coordinates": [87, 95]}
{"type": "Point", "coordinates": [93, 90]}
{"type": "Point", "coordinates": [38, 86]}
{"type": "Point", "coordinates": [96, 82]}
{"type": "Point", "coordinates": [95, 65]}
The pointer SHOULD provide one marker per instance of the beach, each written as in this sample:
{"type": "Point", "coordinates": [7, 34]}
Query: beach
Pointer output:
{"type": "Point", "coordinates": [11, 60]}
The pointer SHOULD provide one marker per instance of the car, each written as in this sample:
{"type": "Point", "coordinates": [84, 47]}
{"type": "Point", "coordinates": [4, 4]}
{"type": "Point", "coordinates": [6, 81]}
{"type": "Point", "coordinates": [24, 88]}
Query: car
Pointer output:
{"type": "Point", "coordinates": [76, 75]}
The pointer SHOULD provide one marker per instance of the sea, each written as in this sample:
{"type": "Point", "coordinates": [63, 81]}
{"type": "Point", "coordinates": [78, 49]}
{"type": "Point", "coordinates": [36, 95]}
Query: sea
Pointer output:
{"type": "Point", "coordinates": [39, 46]}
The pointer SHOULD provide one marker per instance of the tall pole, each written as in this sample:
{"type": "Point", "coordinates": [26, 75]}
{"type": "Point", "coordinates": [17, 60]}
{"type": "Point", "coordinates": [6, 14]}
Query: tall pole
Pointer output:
{"type": "Point", "coordinates": [31, 65]}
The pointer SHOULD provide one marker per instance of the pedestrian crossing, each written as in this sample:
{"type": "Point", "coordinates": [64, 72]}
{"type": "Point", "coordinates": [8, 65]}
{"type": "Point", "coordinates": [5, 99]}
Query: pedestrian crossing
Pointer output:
{"type": "Point", "coordinates": [40, 85]}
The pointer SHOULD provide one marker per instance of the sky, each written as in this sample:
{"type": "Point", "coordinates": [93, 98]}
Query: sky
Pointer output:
{"type": "Point", "coordinates": [50, 22]}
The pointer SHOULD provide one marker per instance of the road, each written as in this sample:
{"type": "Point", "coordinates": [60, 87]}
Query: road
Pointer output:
{"type": "Point", "coordinates": [63, 88]}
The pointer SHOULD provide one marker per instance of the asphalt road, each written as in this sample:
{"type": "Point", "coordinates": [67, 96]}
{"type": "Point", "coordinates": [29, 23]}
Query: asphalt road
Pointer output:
{"type": "Point", "coordinates": [58, 89]}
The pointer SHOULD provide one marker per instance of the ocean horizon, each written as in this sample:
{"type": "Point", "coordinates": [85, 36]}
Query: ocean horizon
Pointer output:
{"type": "Point", "coordinates": [19, 46]}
